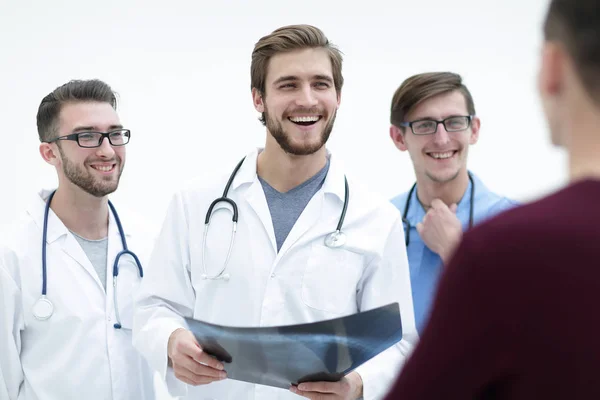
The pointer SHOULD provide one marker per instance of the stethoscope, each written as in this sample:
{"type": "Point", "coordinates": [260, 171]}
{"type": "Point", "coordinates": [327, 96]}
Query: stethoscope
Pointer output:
{"type": "Point", "coordinates": [335, 239]}
{"type": "Point", "coordinates": [43, 307]}
{"type": "Point", "coordinates": [410, 193]}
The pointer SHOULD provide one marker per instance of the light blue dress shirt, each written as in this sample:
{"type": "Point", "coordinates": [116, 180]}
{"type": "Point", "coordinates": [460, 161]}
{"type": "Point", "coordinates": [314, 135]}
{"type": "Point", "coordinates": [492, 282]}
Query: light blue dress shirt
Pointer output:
{"type": "Point", "coordinates": [425, 265]}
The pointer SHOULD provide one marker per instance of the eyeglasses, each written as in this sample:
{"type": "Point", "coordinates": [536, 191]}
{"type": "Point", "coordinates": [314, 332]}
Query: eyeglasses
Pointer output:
{"type": "Point", "coordinates": [429, 126]}
{"type": "Point", "coordinates": [88, 139]}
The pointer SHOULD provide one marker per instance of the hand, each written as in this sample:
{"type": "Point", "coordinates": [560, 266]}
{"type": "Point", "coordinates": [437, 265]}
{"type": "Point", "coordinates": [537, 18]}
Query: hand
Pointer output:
{"type": "Point", "coordinates": [440, 229]}
{"type": "Point", "coordinates": [190, 364]}
{"type": "Point", "coordinates": [349, 387]}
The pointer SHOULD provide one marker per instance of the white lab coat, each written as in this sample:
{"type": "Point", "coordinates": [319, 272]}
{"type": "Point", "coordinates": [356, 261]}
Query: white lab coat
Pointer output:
{"type": "Point", "coordinates": [303, 282]}
{"type": "Point", "coordinates": [77, 353]}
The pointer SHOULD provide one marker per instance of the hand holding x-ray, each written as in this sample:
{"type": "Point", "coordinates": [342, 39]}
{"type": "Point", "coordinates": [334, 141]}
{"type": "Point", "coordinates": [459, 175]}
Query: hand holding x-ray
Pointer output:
{"type": "Point", "coordinates": [190, 363]}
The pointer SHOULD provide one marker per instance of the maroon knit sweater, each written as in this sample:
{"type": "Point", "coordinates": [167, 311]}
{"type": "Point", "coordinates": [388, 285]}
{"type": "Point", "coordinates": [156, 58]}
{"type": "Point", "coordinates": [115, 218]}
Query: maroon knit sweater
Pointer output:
{"type": "Point", "coordinates": [517, 313]}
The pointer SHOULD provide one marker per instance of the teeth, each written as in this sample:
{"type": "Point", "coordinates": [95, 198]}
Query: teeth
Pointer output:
{"type": "Point", "coordinates": [447, 154]}
{"type": "Point", "coordinates": [304, 119]}
{"type": "Point", "coordinates": [103, 168]}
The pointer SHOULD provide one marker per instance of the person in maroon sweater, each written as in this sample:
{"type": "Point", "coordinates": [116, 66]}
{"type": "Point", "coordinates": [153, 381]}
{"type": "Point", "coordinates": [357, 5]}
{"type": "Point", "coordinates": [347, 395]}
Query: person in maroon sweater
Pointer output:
{"type": "Point", "coordinates": [517, 312]}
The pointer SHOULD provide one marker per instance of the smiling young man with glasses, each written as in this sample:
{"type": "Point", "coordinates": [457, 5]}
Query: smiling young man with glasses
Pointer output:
{"type": "Point", "coordinates": [65, 324]}
{"type": "Point", "coordinates": [433, 118]}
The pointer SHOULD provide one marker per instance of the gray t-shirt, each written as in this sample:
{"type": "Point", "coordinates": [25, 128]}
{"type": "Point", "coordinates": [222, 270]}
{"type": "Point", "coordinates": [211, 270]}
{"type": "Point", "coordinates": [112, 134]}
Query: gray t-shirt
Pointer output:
{"type": "Point", "coordinates": [97, 253]}
{"type": "Point", "coordinates": [286, 207]}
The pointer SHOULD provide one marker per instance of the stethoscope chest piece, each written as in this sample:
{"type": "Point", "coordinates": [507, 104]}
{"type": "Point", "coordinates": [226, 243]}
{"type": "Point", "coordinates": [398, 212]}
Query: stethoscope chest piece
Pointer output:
{"type": "Point", "coordinates": [335, 239]}
{"type": "Point", "coordinates": [43, 309]}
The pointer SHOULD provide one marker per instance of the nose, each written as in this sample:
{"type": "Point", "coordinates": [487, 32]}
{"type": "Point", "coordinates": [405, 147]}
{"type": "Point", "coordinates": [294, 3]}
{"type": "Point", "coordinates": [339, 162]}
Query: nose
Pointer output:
{"type": "Point", "coordinates": [306, 97]}
{"type": "Point", "coordinates": [441, 136]}
{"type": "Point", "coordinates": [105, 150]}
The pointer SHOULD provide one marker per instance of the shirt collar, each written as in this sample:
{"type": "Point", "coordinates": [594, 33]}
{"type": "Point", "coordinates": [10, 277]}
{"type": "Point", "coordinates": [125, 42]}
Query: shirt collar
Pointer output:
{"type": "Point", "coordinates": [334, 181]}
{"type": "Point", "coordinates": [56, 228]}
{"type": "Point", "coordinates": [36, 209]}
{"type": "Point", "coordinates": [416, 212]}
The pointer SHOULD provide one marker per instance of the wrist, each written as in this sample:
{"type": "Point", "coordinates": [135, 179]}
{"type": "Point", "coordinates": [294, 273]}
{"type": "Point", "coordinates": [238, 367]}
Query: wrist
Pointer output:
{"type": "Point", "coordinates": [451, 245]}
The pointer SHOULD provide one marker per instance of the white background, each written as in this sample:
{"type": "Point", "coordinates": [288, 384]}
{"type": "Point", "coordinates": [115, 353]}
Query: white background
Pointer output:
{"type": "Point", "coordinates": [181, 69]}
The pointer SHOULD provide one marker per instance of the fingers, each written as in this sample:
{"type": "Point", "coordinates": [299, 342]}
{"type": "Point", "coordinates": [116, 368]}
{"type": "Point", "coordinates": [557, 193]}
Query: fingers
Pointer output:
{"type": "Point", "coordinates": [196, 368]}
{"type": "Point", "coordinates": [321, 387]}
{"type": "Point", "coordinates": [438, 204]}
{"type": "Point", "coordinates": [185, 344]}
{"type": "Point", "coordinates": [323, 390]}
{"type": "Point", "coordinates": [208, 360]}
{"type": "Point", "coordinates": [191, 378]}
{"type": "Point", "coordinates": [188, 346]}
{"type": "Point", "coordinates": [419, 227]}
{"type": "Point", "coordinates": [310, 395]}
{"type": "Point", "coordinates": [190, 371]}
{"type": "Point", "coordinates": [190, 364]}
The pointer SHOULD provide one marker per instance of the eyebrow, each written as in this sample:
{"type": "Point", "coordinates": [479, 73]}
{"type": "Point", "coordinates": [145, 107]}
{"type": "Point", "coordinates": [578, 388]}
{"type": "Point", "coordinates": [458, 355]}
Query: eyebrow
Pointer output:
{"type": "Point", "coordinates": [93, 128]}
{"type": "Point", "coordinates": [288, 78]}
{"type": "Point", "coordinates": [435, 119]}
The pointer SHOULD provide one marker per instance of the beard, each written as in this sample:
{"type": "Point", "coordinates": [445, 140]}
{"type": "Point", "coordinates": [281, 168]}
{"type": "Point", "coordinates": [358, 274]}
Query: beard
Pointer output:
{"type": "Point", "coordinates": [284, 140]}
{"type": "Point", "coordinates": [97, 187]}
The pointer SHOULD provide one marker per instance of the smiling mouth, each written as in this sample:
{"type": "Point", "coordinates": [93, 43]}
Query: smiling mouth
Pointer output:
{"type": "Point", "coordinates": [305, 121]}
{"type": "Point", "coordinates": [104, 168]}
{"type": "Point", "coordinates": [442, 156]}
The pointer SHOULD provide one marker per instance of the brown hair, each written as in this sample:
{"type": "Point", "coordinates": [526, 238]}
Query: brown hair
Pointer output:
{"type": "Point", "coordinates": [576, 24]}
{"type": "Point", "coordinates": [421, 87]}
{"type": "Point", "coordinates": [70, 92]}
{"type": "Point", "coordinates": [290, 38]}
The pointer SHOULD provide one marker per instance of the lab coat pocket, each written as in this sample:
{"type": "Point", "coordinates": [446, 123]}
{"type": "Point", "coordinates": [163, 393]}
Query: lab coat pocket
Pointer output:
{"type": "Point", "coordinates": [128, 283]}
{"type": "Point", "coordinates": [331, 278]}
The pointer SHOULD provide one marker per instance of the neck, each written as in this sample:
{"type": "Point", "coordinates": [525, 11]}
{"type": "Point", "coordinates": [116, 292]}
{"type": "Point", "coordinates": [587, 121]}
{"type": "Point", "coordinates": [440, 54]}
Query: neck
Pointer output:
{"type": "Point", "coordinates": [81, 213]}
{"type": "Point", "coordinates": [285, 171]}
{"type": "Point", "coordinates": [584, 145]}
{"type": "Point", "coordinates": [583, 163]}
{"type": "Point", "coordinates": [450, 192]}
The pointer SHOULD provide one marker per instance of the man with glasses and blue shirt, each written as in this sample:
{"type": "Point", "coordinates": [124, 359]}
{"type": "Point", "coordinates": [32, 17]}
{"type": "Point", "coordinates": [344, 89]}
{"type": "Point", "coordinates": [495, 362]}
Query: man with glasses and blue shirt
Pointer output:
{"type": "Point", "coordinates": [65, 323]}
{"type": "Point", "coordinates": [433, 118]}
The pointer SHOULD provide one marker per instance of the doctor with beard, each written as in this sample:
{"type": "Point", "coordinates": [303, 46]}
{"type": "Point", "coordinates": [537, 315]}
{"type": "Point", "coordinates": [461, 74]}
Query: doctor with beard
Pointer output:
{"type": "Point", "coordinates": [290, 240]}
{"type": "Point", "coordinates": [70, 265]}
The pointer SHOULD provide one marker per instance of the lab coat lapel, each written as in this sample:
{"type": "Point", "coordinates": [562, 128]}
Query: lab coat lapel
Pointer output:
{"type": "Point", "coordinates": [321, 213]}
{"type": "Point", "coordinates": [308, 219]}
{"type": "Point", "coordinates": [72, 248]}
{"type": "Point", "coordinates": [255, 196]}
{"type": "Point", "coordinates": [58, 231]}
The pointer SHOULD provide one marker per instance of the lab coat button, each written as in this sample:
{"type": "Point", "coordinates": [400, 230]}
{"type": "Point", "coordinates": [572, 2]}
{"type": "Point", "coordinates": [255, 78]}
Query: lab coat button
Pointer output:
{"type": "Point", "coordinates": [273, 275]}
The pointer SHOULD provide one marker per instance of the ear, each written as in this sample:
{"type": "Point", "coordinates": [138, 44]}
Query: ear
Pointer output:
{"type": "Point", "coordinates": [475, 126]}
{"type": "Point", "coordinates": [551, 70]}
{"type": "Point", "coordinates": [49, 153]}
{"type": "Point", "coordinates": [257, 99]}
{"type": "Point", "coordinates": [398, 138]}
{"type": "Point", "coordinates": [339, 98]}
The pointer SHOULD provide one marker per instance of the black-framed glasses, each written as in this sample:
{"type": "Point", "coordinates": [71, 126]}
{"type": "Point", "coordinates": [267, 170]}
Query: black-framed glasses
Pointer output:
{"type": "Point", "coordinates": [89, 139]}
{"type": "Point", "coordinates": [455, 123]}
